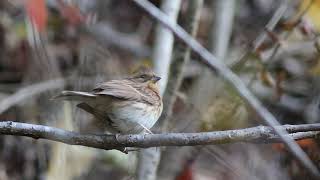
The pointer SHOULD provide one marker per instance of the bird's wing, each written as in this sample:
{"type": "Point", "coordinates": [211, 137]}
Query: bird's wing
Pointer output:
{"type": "Point", "coordinates": [123, 89]}
{"type": "Point", "coordinates": [75, 96]}
{"type": "Point", "coordinates": [103, 117]}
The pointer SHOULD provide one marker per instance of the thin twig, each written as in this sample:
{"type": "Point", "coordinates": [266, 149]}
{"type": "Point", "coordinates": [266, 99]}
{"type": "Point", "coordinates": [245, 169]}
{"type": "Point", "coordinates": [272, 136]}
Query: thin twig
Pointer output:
{"type": "Point", "coordinates": [179, 61]}
{"type": "Point", "coordinates": [287, 35]}
{"type": "Point", "coordinates": [263, 35]}
{"type": "Point", "coordinates": [271, 24]}
{"type": "Point", "coordinates": [181, 57]}
{"type": "Point", "coordinates": [221, 28]}
{"type": "Point", "coordinates": [235, 81]}
{"type": "Point", "coordinates": [162, 54]}
{"type": "Point", "coordinates": [259, 134]}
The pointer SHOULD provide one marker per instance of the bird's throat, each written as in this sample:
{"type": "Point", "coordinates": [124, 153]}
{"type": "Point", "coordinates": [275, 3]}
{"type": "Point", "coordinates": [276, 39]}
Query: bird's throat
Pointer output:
{"type": "Point", "coordinates": [154, 87]}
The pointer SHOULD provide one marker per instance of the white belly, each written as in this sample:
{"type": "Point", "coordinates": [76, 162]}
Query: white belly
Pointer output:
{"type": "Point", "coordinates": [135, 118]}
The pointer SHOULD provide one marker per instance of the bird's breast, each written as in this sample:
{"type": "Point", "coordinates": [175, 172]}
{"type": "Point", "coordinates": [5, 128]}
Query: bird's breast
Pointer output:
{"type": "Point", "coordinates": [135, 117]}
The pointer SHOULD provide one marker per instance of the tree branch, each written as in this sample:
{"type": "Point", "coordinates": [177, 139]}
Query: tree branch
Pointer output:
{"type": "Point", "coordinates": [259, 134]}
{"type": "Point", "coordinates": [221, 28]}
{"type": "Point", "coordinates": [164, 40]}
{"type": "Point", "coordinates": [263, 35]}
{"type": "Point", "coordinates": [179, 61]}
{"type": "Point", "coordinates": [169, 163]}
{"type": "Point", "coordinates": [148, 159]}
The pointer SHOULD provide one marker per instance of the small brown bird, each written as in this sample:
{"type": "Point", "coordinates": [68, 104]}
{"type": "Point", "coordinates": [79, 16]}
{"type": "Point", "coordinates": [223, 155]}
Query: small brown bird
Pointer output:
{"type": "Point", "coordinates": [128, 106]}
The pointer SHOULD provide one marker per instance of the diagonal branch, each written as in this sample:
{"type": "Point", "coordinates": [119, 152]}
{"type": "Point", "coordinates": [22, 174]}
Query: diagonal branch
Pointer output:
{"type": "Point", "coordinates": [262, 37]}
{"type": "Point", "coordinates": [259, 134]}
{"type": "Point", "coordinates": [233, 79]}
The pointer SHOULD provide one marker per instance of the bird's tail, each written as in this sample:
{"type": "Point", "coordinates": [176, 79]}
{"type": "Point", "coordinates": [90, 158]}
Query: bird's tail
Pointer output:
{"type": "Point", "coordinates": [74, 96]}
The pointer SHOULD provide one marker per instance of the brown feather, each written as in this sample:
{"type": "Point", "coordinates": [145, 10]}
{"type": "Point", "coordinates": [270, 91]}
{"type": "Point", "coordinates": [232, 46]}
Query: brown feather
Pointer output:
{"type": "Point", "coordinates": [98, 114]}
{"type": "Point", "coordinates": [125, 106]}
{"type": "Point", "coordinates": [128, 90]}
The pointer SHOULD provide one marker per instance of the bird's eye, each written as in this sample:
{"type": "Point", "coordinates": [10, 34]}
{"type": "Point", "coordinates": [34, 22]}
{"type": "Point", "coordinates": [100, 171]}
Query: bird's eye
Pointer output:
{"type": "Point", "coordinates": [143, 76]}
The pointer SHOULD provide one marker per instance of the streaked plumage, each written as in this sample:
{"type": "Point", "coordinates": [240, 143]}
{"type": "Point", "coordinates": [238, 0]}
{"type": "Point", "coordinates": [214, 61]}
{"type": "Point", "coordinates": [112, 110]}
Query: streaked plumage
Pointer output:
{"type": "Point", "coordinates": [126, 106]}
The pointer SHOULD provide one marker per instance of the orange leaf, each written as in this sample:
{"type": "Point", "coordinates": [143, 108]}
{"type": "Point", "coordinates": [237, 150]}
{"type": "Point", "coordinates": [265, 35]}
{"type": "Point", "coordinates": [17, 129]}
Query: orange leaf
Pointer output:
{"type": "Point", "coordinates": [307, 143]}
{"type": "Point", "coordinates": [263, 46]}
{"type": "Point", "coordinates": [37, 12]}
{"type": "Point", "coordinates": [273, 36]}
{"type": "Point", "coordinates": [71, 13]}
{"type": "Point", "coordinates": [289, 25]}
{"type": "Point", "coordinates": [278, 147]}
{"type": "Point", "coordinates": [265, 77]}
{"type": "Point", "coordinates": [303, 143]}
{"type": "Point", "coordinates": [186, 174]}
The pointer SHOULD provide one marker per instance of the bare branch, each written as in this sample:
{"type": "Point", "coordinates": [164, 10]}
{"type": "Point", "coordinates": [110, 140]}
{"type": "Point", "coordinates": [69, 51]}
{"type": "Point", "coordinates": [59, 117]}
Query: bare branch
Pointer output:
{"type": "Point", "coordinates": [164, 40]}
{"type": "Point", "coordinates": [221, 28]}
{"type": "Point", "coordinates": [259, 134]}
{"type": "Point", "coordinates": [235, 81]}
{"type": "Point", "coordinates": [179, 61]}
{"type": "Point", "coordinates": [161, 56]}
{"type": "Point", "coordinates": [263, 35]}
{"type": "Point", "coordinates": [271, 24]}
{"type": "Point", "coordinates": [287, 34]}
{"type": "Point", "coordinates": [181, 57]}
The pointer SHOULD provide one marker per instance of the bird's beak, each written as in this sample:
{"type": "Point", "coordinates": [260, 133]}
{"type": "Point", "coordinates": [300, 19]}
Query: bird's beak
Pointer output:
{"type": "Point", "coordinates": [155, 79]}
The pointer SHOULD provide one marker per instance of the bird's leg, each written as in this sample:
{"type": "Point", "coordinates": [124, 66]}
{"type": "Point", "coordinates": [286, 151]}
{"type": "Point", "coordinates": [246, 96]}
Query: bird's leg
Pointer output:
{"type": "Point", "coordinates": [126, 150]}
{"type": "Point", "coordinates": [122, 149]}
{"type": "Point", "coordinates": [117, 136]}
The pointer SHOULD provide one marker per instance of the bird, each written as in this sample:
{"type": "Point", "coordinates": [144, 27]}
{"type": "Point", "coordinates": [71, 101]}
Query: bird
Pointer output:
{"type": "Point", "coordinates": [127, 106]}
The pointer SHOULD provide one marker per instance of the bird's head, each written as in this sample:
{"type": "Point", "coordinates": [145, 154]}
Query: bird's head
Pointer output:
{"type": "Point", "coordinates": [145, 75]}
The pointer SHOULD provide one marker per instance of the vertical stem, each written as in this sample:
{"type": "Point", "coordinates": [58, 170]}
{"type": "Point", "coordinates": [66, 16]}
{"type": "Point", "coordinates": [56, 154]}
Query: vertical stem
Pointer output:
{"type": "Point", "coordinates": [162, 54]}
{"type": "Point", "coordinates": [164, 40]}
{"type": "Point", "coordinates": [179, 61]}
{"type": "Point", "coordinates": [221, 27]}
{"type": "Point", "coordinates": [171, 157]}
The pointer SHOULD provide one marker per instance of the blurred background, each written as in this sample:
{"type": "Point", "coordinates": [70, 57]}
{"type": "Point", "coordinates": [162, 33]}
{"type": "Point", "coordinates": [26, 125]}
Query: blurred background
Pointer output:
{"type": "Point", "coordinates": [50, 45]}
